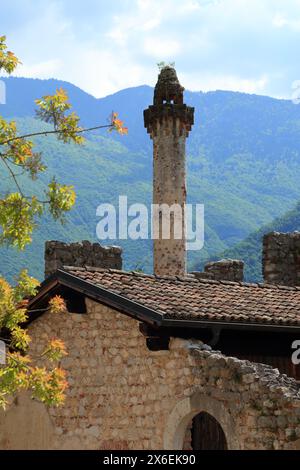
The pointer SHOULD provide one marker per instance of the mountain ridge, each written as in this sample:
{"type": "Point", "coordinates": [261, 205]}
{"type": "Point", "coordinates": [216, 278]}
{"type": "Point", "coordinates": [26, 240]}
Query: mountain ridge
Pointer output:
{"type": "Point", "coordinates": [249, 250]}
{"type": "Point", "coordinates": [243, 164]}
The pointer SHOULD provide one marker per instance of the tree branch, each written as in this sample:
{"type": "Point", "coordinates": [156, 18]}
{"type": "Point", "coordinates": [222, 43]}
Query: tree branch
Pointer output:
{"type": "Point", "coordinates": [13, 176]}
{"type": "Point", "coordinates": [57, 131]}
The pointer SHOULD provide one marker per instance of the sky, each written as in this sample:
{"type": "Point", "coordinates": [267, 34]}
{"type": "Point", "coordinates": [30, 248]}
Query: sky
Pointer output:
{"type": "Point", "coordinates": [250, 46]}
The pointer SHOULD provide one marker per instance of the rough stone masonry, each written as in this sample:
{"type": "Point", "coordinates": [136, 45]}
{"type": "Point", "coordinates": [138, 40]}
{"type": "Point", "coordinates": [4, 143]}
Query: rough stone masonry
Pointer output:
{"type": "Point", "coordinates": [80, 254]}
{"type": "Point", "coordinates": [123, 396]}
{"type": "Point", "coordinates": [168, 122]}
{"type": "Point", "coordinates": [281, 258]}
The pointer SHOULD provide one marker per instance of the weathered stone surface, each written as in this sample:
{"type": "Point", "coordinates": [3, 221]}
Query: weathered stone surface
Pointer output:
{"type": "Point", "coordinates": [281, 258]}
{"type": "Point", "coordinates": [168, 88]}
{"type": "Point", "coordinates": [80, 254]}
{"type": "Point", "coordinates": [121, 395]}
{"type": "Point", "coordinates": [225, 270]}
{"type": "Point", "coordinates": [168, 122]}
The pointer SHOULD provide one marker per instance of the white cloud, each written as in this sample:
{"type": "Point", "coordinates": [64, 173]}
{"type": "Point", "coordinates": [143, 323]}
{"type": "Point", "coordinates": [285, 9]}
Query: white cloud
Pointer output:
{"type": "Point", "coordinates": [144, 4]}
{"type": "Point", "coordinates": [162, 48]}
{"type": "Point", "coordinates": [280, 21]}
{"type": "Point", "coordinates": [105, 73]}
{"type": "Point", "coordinates": [190, 6]}
{"type": "Point", "coordinates": [208, 82]}
{"type": "Point", "coordinates": [45, 69]}
{"type": "Point", "coordinates": [151, 24]}
{"type": "Point", "coordinates": [244, 45]}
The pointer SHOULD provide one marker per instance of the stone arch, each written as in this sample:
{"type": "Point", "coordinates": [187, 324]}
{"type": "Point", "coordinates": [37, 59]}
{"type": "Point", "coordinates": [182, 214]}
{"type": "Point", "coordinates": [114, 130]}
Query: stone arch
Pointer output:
{"type": "Point", "coordinates": [187, 409]}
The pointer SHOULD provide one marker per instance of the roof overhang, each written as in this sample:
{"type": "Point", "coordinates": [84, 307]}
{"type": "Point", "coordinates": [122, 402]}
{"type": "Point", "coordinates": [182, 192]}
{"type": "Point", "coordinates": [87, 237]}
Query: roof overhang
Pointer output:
{"type": "Point", "coordinates": [136, 310]}
{"type": "Point", "coordinates": [97, 293]}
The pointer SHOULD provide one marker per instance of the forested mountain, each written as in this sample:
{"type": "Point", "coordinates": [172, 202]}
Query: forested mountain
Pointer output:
{"type": "Point", "coordinates": [243, 158]}
{"type": "Point", "coordinates": [250, 249]}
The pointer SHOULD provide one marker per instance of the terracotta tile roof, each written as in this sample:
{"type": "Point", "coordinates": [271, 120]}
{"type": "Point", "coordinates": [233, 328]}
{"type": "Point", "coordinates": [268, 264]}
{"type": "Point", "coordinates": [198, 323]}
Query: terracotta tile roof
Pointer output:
{"type": "Point", "coordinates": [200, 299]}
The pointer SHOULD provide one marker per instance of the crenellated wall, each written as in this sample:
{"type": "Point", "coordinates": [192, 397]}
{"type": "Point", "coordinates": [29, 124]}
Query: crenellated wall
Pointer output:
{"type": "Point", "coordinates": [222, 270]}
{"type": "Point", "coordinates": [226, 270]}
{"type": "Point", "coordinates": [281, 258]}
{"type": "Point", "coordinates": [80, 254]}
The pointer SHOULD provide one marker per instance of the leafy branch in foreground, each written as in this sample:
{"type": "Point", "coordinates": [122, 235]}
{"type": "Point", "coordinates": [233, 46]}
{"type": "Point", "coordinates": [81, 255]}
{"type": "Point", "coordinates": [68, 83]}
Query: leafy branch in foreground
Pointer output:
{"type": "Point", "coordinates": [8, 60]}
{"type": "Point", "coordinates": [20, 373]}
{"type": "Point", "coordinates": [19, 212]}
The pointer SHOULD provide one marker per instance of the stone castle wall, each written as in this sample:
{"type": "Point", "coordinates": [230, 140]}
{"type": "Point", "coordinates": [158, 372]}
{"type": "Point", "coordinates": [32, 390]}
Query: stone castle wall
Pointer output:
{"type": "Point", "coordinates": [281, 258]}
{"type": "Point", "coordinates": [226, 270]}
{"type": "Point", "coordinates": [223, 270]}
{"type": "Point", "coordinates": [123, 396]}
{"type": "Point", "coordinates": [80, 254]}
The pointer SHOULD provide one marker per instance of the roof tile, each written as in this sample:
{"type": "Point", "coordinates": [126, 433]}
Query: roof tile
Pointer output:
{"type": "Point", "coordinates": [200, 299]}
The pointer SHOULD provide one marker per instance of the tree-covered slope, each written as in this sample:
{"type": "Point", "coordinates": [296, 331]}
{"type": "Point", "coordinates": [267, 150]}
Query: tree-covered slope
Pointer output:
{"type": "Point", "coordinates": [243, 163]}
{"type": "Point", "coordinates": [250, 249]}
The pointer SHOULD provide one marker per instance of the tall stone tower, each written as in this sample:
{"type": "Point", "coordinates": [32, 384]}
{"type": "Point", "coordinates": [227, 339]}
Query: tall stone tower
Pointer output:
{"type": "Point", "coordinates": [168, 121]}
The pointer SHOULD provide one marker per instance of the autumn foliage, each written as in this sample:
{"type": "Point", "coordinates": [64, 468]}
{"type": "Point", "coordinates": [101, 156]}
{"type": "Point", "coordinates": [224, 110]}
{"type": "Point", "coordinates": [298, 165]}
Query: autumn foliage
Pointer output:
{"type": "Point", "coordinates": [20, 371]}
{"type": "Point", "coordinates": [19, 213]}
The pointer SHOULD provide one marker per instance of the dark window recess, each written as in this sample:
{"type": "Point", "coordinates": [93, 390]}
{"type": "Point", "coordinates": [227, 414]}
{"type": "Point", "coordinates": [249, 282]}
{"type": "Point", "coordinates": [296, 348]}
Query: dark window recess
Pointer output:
{"type": "Point", "coordinates": [75, 301]}
{"type": "Point", "coordinates": [158, 343]}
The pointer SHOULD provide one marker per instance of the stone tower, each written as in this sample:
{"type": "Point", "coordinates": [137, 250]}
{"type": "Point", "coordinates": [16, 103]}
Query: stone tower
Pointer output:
{"type": "Point", "coordinates": [168, 121]}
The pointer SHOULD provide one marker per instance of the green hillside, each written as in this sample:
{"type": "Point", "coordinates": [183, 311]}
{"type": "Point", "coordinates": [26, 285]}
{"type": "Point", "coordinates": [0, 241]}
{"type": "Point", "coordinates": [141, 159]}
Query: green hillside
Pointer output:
{"type": "Point", "coordinates": [243, 163]}
{"type": "Point", "coordinates": [250, 249]}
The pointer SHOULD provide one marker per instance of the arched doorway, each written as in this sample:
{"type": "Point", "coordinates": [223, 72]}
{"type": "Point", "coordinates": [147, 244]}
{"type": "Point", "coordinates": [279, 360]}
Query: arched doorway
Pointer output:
{"type": "Point", "coordinates": [198, 416]}
{"type": "Point", "coordinates": [207, 433]}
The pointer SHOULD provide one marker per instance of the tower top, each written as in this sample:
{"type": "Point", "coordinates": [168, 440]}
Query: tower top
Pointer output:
{"type": "Point", "coordinates": [168, 103]}
{"type": "Point", "coordinates": [168, 89]}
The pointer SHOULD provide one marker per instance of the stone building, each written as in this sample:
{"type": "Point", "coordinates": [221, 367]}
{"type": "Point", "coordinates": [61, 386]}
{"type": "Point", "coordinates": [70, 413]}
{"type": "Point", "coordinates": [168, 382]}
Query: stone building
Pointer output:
{"type": "Point", "coordinates": [170, 360]}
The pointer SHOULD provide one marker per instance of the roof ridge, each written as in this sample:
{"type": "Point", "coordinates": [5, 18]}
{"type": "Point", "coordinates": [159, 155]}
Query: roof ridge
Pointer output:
{"type": "Point", "coordinates": [261, 285]}
{"type": "Point", "coordinates": [188, 278]}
